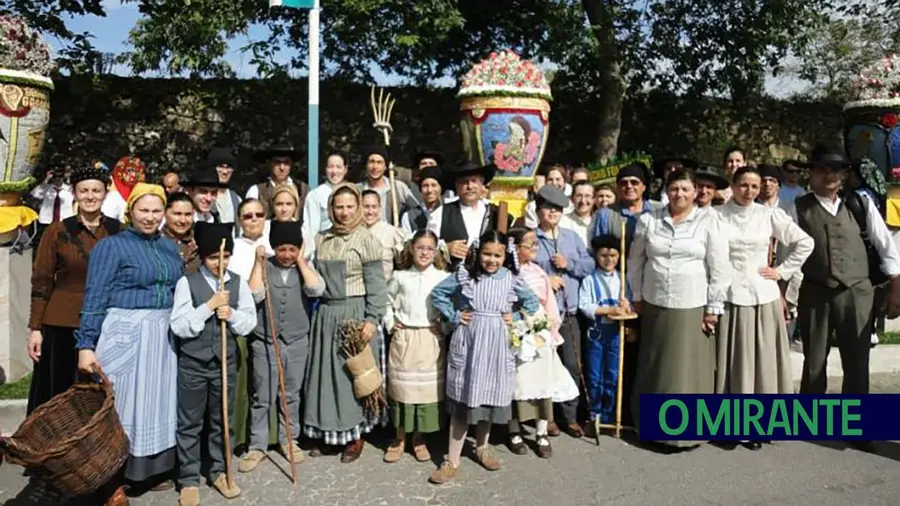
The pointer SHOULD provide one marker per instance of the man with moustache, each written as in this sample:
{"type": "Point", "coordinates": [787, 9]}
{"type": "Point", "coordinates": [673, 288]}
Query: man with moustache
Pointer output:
{"type": "Point", "coordinates": [837, 295]}
{"type": "Point", "coordinates": [463, 221]}
{"type": "Point", "coordinates": [280, 158]}
{"type": "Point", "coordinates": [579, 218]}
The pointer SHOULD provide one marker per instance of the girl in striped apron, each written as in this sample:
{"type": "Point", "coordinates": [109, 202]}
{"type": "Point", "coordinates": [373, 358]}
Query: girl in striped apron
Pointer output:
{"type": "Point", "coordinates": [481, 369]}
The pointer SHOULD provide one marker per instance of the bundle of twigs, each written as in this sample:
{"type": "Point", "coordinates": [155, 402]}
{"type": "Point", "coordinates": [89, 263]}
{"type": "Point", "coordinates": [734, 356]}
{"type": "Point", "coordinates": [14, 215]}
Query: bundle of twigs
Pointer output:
{"type": "Point", "coordinates": [352, 345]}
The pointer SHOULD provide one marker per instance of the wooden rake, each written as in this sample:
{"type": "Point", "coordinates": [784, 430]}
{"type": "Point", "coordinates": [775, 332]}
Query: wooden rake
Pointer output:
{"type": "Point", "coordinates": [382, 107]}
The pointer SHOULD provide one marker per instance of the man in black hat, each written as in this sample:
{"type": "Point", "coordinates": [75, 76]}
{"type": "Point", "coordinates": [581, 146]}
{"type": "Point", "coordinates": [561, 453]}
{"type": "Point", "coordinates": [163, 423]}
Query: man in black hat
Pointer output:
{"type": "Point", "coordinates": [377, 163]}
{"type": "Point", "coordinates": [280, 158]}
{"type": "Point", "coordinates": [199, 306]}
{"type": "Point", "coordinates": [708, 183]}
{"type": "Point", "coordinates": [227, 200]}
{"type": "Point", "coordinates": [464, 220]}
{"type": "Point", "coordinates": [423, 159]}
{"type": "Point", "coordinates": [791, 189]}
{"type": "Point", "coordinates": [631, 186]}
{"type": "Point", "coordinates": [837, 295]}
{"type": "Point", "coordinates": [769, 192]}
{"type": "Point", "coordinates": [203, 187]}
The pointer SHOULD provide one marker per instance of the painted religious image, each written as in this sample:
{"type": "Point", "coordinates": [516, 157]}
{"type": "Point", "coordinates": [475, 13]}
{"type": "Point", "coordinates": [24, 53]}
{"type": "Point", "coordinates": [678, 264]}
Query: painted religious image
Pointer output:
{"type": "Point", "coordinates": [24, 114]}
{"type": "Point", "coordinates": [514, 140]}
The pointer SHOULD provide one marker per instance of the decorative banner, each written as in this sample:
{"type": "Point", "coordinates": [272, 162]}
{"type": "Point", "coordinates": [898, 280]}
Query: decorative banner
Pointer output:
{"type": "Point", "coordinates": [294, 4]}
{"type": "Point", "coordinates": [606, 173]}
{"type": "Point", "coordinates": [24, 115]}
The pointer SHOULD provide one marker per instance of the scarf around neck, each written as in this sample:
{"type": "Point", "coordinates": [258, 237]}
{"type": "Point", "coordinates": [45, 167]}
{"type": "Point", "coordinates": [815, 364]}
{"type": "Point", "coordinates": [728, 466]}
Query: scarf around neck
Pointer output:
{"type": "Point", "coordinates": [356, 221]}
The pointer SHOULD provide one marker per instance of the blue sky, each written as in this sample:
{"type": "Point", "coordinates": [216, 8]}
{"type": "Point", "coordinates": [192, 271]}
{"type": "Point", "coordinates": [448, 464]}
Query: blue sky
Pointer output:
{"type": "Point", "coordinates": [111, 35]}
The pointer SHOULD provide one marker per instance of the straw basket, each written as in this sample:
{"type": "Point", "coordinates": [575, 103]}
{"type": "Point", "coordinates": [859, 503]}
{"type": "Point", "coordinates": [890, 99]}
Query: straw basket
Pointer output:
{"type": "Point", "coordinates": [75, 442]}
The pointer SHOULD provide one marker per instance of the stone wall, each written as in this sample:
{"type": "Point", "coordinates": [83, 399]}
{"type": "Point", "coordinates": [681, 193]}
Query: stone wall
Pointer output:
{"type": "Point", "coordinates": [170, 123]}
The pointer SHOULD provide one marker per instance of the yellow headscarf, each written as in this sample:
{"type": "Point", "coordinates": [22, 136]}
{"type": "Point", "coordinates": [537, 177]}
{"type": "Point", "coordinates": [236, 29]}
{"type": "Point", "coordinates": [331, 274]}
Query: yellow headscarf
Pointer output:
{"type": "Point", "coordinates": [356, 220]}
{"type": "Point", "coordinates": [141, 190]}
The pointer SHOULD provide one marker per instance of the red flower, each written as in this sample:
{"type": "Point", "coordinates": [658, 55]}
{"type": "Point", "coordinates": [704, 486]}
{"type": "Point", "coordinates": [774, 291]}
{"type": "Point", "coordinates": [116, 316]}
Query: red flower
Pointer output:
{"type": "Point", "coordinates": [889, 120]}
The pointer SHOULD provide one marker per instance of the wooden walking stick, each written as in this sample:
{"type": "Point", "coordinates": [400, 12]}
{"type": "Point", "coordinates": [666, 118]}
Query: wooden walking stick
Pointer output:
{"type": "Point", "coordinates": [223, 345]}
{"type": "Point", "coordinates": [382, 109]}
{"type": "Point", "coordinates": [621, 319]}
{"type": "Point", "coordinates": [282, 391]}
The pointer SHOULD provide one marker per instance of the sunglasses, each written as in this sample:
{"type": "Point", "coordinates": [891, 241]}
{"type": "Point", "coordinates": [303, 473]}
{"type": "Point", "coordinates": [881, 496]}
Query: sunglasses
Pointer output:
{"type": "Point", "coordinates": [250, 216]}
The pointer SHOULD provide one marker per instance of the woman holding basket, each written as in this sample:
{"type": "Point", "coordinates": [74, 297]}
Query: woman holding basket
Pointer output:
{"type": "Point", "coordinates": [125, 330]}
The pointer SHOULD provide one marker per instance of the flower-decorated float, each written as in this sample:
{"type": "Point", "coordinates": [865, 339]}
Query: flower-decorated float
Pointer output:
{"type": "Point", "coordinates": [871, 128]}
{"type": "Point", "coordinates": [505, 109]}
{"type": "Point", "coordinates": [25, 86]}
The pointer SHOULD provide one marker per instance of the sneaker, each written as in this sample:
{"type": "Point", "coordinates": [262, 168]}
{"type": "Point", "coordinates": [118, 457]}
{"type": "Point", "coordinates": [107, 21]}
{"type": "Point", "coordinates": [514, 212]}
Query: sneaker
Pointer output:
{"type": "Point", "coordinates": [445, 473]}
{"type": "Point", "coordinates": [227, 491]}
{"type": "Point", "coordinates": [250, 460]}
{"type": "Point", "coordinates": [286, 452]}
{"type": "Point", "coordinates": [487, 459]}
{"type": "Point", "coordinates": [189, 496]}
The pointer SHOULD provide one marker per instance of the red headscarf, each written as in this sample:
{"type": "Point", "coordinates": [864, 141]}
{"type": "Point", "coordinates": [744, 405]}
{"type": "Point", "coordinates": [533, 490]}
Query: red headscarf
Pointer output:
{"type": "Point", "coordinates": [128, 172]}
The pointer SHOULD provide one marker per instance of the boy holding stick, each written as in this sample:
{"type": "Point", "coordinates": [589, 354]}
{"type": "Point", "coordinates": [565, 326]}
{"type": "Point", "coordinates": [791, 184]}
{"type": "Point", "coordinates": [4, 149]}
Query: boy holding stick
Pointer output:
{"type": "Point", "coordinates": [203, 300]}
{"type": "Point", "coordinates": [288, 280]}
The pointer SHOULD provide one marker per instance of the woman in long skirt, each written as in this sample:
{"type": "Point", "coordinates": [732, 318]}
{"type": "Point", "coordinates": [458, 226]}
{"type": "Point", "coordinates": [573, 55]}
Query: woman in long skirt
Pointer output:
{"type": "Point", "coordinates": [57, 286]}
{"type": "Point", "coordinates": [753, 350]}
{"type": "Point", "coordinates": [125, 330]}
{"type": "Point", "coordinates": [679, 274]}
{"type": "Point", "coordinates": [348, 258]}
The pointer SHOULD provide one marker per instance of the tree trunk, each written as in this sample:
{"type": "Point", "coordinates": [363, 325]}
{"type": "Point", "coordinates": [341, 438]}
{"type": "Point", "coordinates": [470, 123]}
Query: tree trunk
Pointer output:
{"type": "Point", "coordinates": [601, 16]}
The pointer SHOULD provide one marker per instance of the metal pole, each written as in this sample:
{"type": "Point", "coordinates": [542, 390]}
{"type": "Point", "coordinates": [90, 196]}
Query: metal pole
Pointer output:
{"type": "Point", "coordinates": [313, 119]}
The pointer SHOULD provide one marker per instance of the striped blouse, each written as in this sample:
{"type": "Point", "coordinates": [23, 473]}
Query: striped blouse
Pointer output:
{"type": "Point", "coordinates": [129, 270]}
{"type": "Point", "coordinates": [356, 249]}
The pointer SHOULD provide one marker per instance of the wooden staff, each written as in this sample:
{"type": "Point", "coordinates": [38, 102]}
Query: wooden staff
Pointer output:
{"type": "Point", "coordinates": [503, 217]}
{"type": "Point", "coordinates": [382, 109]}
{"type": "Point", "coordinates": [621, 319]}
{"type": "Point", "coordinates": [282, 391]}
{"type": "Point", "coordinates": [223, 345]}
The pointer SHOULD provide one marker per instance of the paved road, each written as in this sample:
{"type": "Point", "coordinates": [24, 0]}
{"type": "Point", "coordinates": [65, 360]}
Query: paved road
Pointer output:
{"type": "Point", "coordinates": [580, 473]}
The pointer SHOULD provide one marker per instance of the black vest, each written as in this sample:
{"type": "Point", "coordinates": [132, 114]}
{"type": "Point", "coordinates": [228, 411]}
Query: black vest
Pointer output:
{"type": "Point", "coordinates": [207, 345]}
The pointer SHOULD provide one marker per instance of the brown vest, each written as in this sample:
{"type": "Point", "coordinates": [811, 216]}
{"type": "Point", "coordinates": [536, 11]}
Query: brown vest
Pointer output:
{"type": "Point", "coordinates": [839, 256]}
{"type": "Point", "coordinates": [267, 194]}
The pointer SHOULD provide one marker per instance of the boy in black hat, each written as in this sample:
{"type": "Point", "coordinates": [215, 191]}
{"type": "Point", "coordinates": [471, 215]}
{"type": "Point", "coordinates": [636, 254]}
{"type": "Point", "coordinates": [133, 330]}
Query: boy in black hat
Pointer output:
{"type": "Point", "coordinates": [200, 305]}
{"type": "Point", "coordinates": [598, 298]}
{"type": "Point", "coordinates": [291, 281]}
{"type": "Point", "coordinates": [377, 163]}
{"type": "Point", "coordinates": [203, 186]}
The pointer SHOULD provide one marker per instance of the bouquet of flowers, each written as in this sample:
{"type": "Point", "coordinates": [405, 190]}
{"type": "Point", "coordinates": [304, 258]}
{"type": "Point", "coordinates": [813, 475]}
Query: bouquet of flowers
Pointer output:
{"type": "Point", "coordinates": [505, 73]}
{"type": "Point", "coordinates": [23, 49]}
{"type": "Point", "coordinates": [530, 336]}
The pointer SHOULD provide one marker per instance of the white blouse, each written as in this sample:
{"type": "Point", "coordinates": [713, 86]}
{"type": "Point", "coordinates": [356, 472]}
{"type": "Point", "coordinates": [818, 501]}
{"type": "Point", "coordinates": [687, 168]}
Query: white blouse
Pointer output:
{"type": "Point", "coordinates": [680, 265]}
{"type": "Point", "coordinates": [750, 231]}
{"type": "Point", "coordinates": [392, 240]}
{"type": "Point", "coordinates": [244, 255]}
{"type": "Point", "coordinates": [409, 298]}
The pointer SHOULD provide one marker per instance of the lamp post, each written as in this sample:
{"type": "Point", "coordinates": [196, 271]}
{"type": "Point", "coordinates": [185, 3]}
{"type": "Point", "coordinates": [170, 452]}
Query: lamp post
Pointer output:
{"type": "Point", "coordinates": [313, 112]}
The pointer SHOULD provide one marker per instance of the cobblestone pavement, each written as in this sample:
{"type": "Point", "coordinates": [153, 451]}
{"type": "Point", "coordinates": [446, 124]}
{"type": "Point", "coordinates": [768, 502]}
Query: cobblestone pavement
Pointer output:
{"type": "Point", "coordinates": [580, 473]}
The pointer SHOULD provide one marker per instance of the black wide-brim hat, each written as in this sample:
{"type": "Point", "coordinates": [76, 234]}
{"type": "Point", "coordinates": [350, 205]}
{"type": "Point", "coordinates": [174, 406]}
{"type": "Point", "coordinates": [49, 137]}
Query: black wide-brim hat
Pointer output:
{"type": "Point", "coordinates": [467, 168]}
{"type": "Point", "coordinates": [828, 160]}
{"type": "Point", "coordinates": [277, 150]}
{"type": "Point", "coordinates": [221, 156]}
{"type": "Point", "coordinates": [659, 163]}
{"type": "Point", "coordinates": [428, 153]}
{"type": "Point", "coordinates": [206, 177]}
{"type": "Point", "coordinates": [712, 175]}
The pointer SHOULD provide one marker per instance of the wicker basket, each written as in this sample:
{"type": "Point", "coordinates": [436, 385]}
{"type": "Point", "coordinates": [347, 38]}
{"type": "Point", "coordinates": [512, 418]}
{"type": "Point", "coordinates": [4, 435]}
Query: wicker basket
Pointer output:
{"type": "Point", "coordinates": [75, 442]}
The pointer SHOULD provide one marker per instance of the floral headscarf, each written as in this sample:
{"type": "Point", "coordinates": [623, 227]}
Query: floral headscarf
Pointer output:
{"type": "Point", "coordinates": [128, 172]}
{"type": "Point", "coordinates": [357, 219]}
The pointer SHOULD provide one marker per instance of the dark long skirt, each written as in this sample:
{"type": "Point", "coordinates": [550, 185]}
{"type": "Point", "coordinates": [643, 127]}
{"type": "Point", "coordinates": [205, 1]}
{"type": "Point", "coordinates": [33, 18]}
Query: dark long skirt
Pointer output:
{"type": "Point", "coordinates": [58, 368]}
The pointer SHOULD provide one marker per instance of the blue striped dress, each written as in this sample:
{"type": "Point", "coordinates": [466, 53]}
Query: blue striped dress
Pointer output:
{"type": "Point", "coordinates": [128, 300]}
{"type": "Point", "coordinates": [481, 365]}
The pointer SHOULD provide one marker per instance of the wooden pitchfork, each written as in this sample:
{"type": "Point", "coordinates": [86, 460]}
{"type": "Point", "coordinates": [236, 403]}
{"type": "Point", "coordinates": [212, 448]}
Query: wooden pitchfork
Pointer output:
{"type": "Point", "coordinates": [381, 110]}
{"type": "Point", "coordinates": [223, 345]}
{"type": "Point", "coordinates": [281, 389]}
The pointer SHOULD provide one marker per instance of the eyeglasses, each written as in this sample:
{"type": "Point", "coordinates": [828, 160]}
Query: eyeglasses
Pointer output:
{"type": "Point", "coordinates": [250, 216]}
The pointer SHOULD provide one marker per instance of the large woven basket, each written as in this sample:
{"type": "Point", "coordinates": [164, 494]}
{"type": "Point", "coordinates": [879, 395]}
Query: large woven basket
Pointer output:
{"type": "Point", "coordinates": [75, 442]}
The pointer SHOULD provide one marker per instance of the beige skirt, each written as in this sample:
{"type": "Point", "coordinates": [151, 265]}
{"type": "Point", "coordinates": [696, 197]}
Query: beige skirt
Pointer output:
{"type": "Point", "coordinates": [416, 367]}
{"type": "Point", "coordinates": [753, 352]}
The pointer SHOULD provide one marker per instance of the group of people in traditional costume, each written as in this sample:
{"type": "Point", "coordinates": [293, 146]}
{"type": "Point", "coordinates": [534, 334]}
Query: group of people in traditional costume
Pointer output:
{"type": "Point", "coordinates": [141, 280]}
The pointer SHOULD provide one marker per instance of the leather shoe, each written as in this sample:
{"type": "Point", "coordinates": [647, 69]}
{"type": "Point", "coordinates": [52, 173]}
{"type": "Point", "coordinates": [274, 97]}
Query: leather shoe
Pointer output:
{"type": "Point", "coordinates": [553, 429]}
{"type": "Point", "coordinates": [352, 451]}
{"type": "Point", "coordinates": [575, 430]}
{"type": "Point", "coordinates": [118, 498]}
